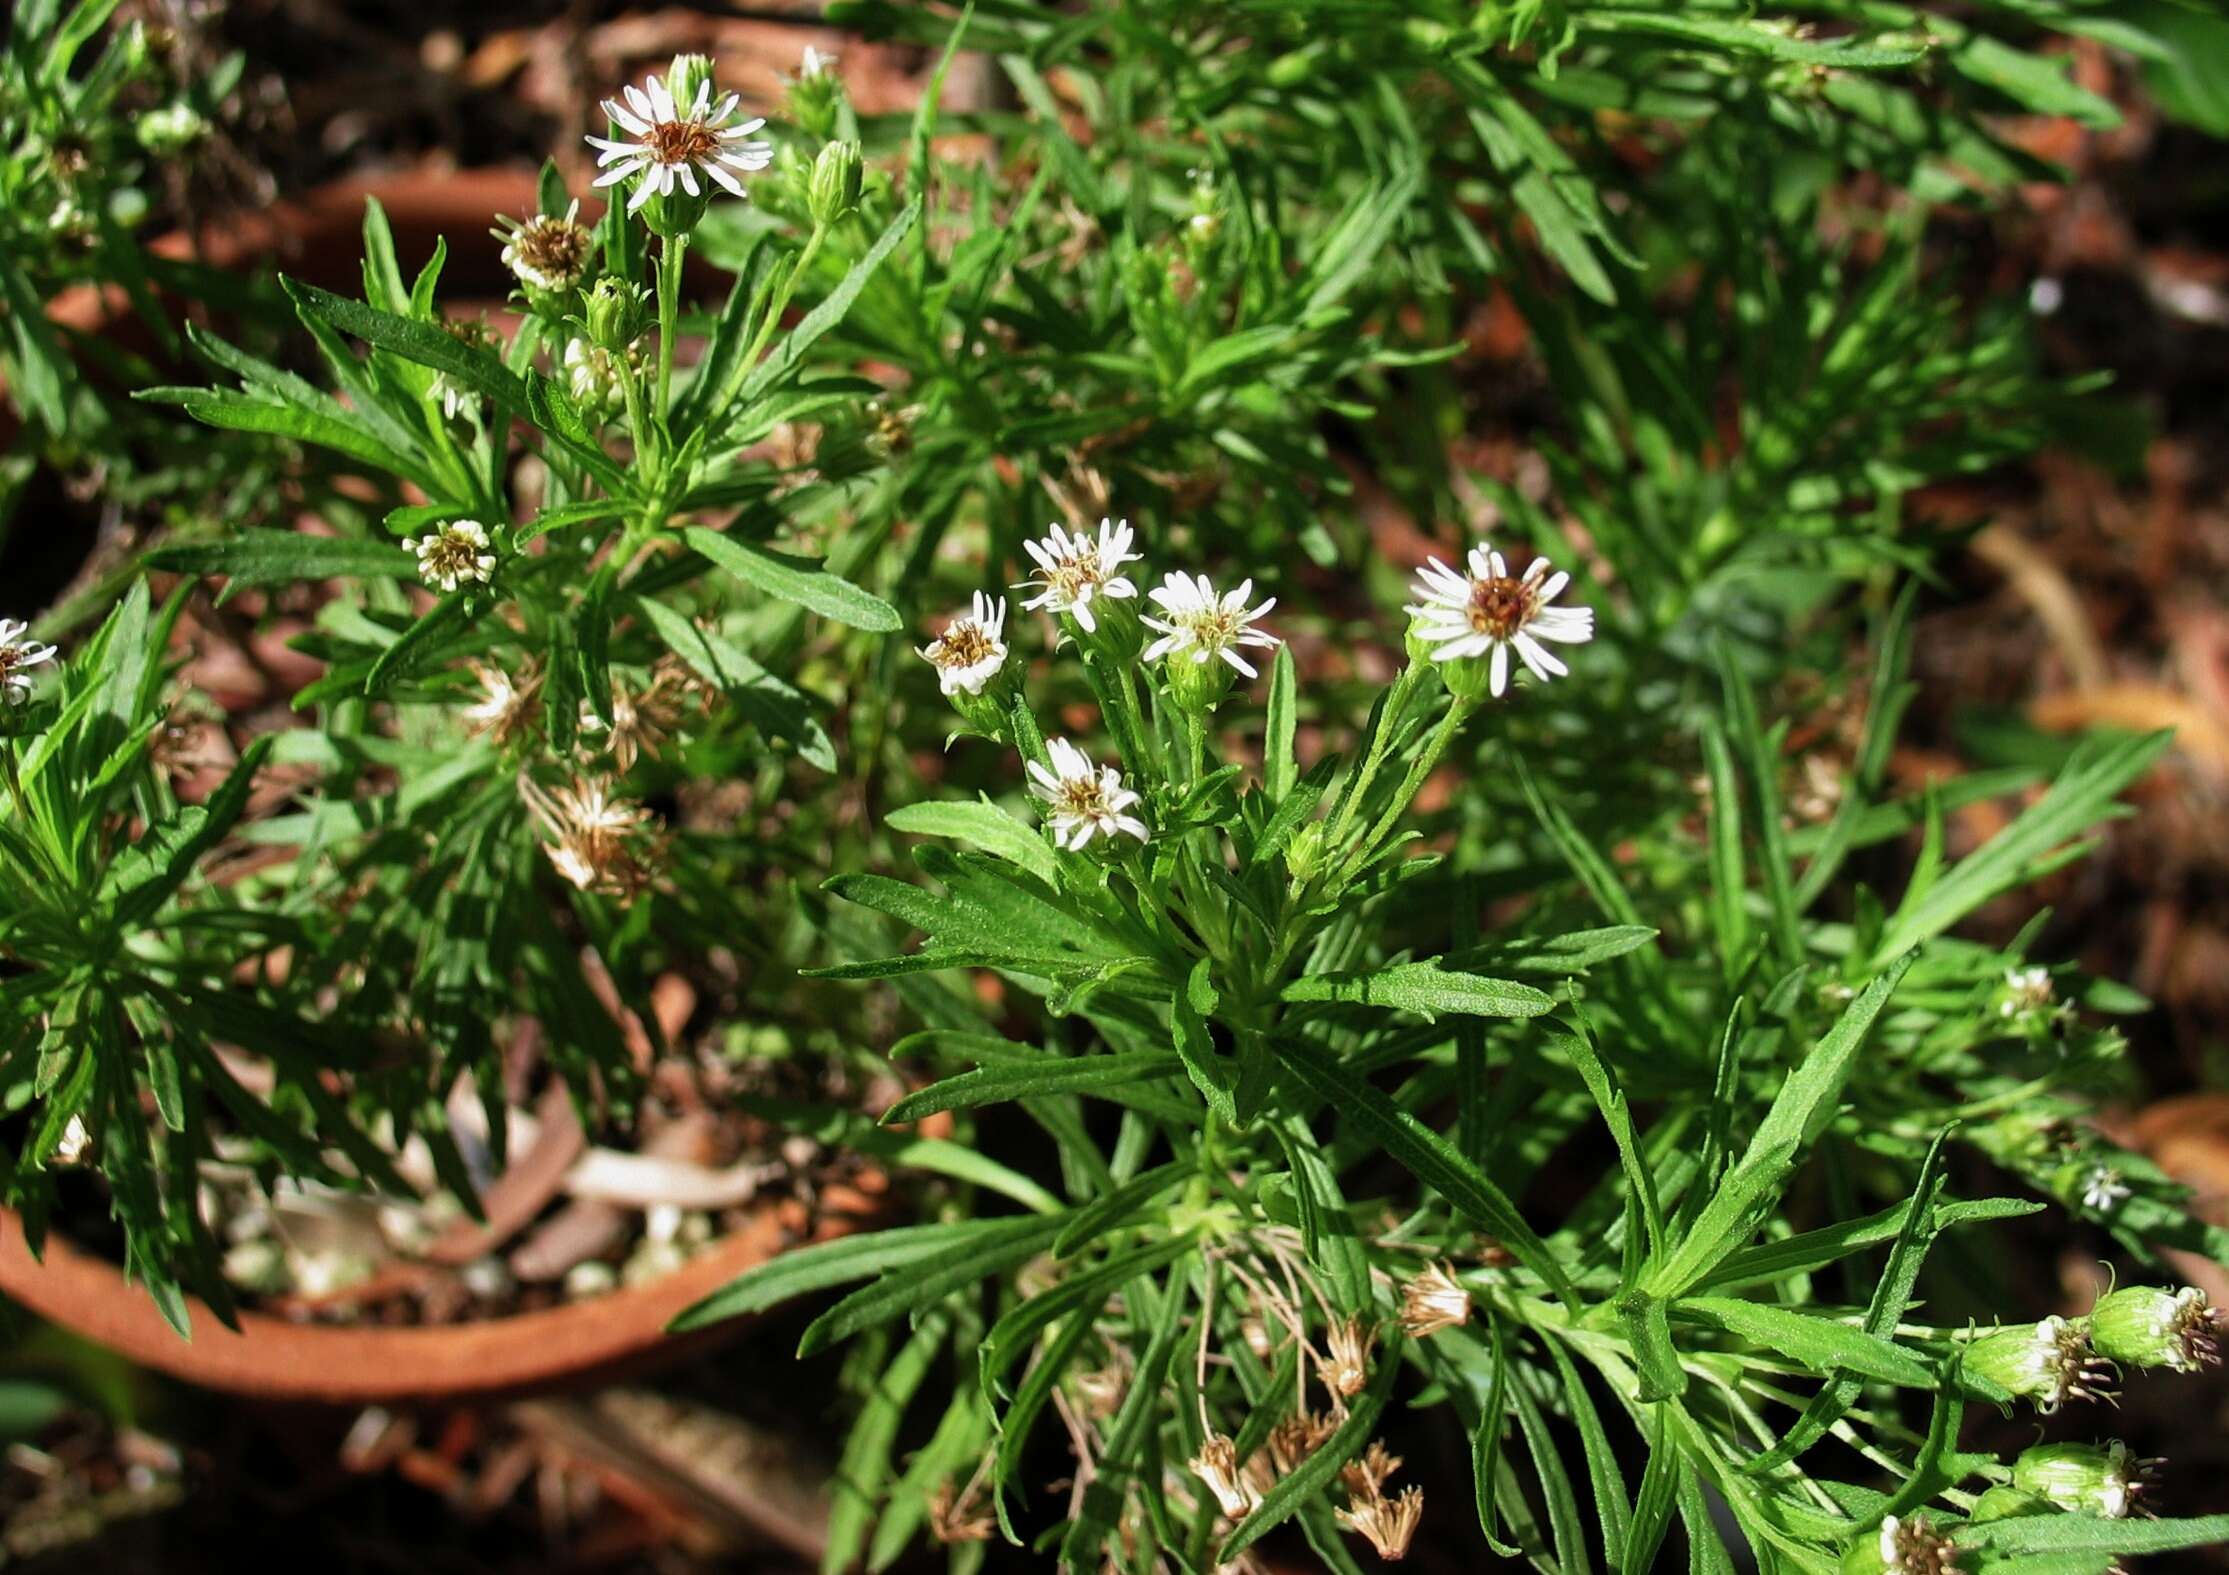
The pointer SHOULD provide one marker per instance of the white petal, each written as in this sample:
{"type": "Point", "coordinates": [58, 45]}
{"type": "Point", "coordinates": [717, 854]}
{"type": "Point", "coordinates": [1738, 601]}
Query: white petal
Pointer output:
{"type": "Point", "coordinates": [719, 173]}
{"type": "Point", "coordinates": [1498, 673]}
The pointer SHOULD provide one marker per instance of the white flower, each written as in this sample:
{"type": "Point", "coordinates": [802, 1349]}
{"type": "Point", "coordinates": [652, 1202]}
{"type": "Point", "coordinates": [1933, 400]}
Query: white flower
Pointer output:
{"type": "Point", "coordinates": [454, 554]}
{"type": "Point", "coordinates": [670, 146]}
{"type": "Point", "coordinates": [593, 377]}
{"type": "Point", "coordinates": [2103, 1188]}
{"type": "Point", "coordinates": [18, 654]}
{"type": "Point", "coordinates": [1081, 798]}
{"type": "Point", "coordinates": [546, 251]}
{"type": "Point", "coordinates": [1489, 610]}
{"type": "Point", "coordinates": [1071, 570]}
{"type": "Point", "coordinates": [972, 649]}
{"type": "Point", "coordinates": [2026, 990]}
{"type": "Point", "coordinates": [1204, 624]}
{"type": "Point", "coordinates": [814, 64]}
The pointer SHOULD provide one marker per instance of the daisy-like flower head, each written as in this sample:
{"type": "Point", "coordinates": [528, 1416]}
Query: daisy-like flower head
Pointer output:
{"type": "Point", "coordinates": [1908, 1545]}
{"type": "Point", "coordinates": [453, 555]}
{"type": "Point", "coordinates": [1489, 611]}
{"type": "Point", "coordinates": [549, 251]}
{"type": "Point", "coordinates": [972, 648]}
{"type": "Point", "coordinates": [19, 653]}
{"type": "Point", "coordinates": [1081, 799]}
{"type": "Point", "coordinates": [669, 145]}
{"type": "Point", "coordinates": [2102, 1188]}
{"type": "Point", "coordinates": [1073, 570]}
{"type": "Point", "coordinates": [1201, 624]}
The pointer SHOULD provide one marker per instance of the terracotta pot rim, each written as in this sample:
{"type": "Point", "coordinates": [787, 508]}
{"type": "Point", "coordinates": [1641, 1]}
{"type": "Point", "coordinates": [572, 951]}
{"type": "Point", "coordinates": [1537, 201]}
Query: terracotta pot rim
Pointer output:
{"type": "Point", "coordinates": [275, 1359]}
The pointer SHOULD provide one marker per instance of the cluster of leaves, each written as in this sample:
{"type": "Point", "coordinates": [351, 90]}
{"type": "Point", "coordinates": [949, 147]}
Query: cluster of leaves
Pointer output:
{"type": "Point", "coordinates": [1648, 1151]}
{"type": "Point", "coordinates": [91, 116]}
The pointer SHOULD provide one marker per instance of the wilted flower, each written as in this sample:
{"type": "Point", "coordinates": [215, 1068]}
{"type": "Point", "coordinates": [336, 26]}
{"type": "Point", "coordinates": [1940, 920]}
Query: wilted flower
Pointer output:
{"type": "Point", "coordinates": [1490, 611]}
{"type": "Point", "coordinates": [18, 655]}
{"type": "Point", "coordinates": [457, 400]}
{"type": "Point", "coordinates": [1204, 625]}
{"type": "Point", "coordinates": [2048, 1362]}
{"type": "Point", "coordinates": [1074, 569]}
{"type": "Point", "coordinates": [1346, 1368]}
{"type": "Point", "coordinates": [1434, 1300]}
{"type": "Point", "coordinates": [958, 1517]}
{"type": "Point", "coordinates": [972, 648]}
{"type": "Point", "coordinates": [1101, 1389]}
{"type": "Point", "coordinates": [1389, 1524]}
{"type": "Point", "coordinates": [1365, 1475]}
{"type": "Point", "coordinates": [549, 251]}
{"type": "Point", "coordinates": [2102, 1188]}
{"type": "Point", "coordinates": [1297, 1437]}
{"type": "Point", "coordinates": [2149, 1327]}
{"type": "Point", "coordinates": [600, 837]}
{"type": "Point", "coordinates": [670, 145]}
{"type": "Point", "coordinates": [2089, 1479]}
{"type": "Point", "coordinates": [453, 555]}
{"type": "Point", "coordinates": [1217, 1465]}
{"type": "Point", "coordinates": [1083, 799]}
{"type": "Point", "coordinates": [508, 704]}
{"type": "Point", "coordinates": [641, 719]}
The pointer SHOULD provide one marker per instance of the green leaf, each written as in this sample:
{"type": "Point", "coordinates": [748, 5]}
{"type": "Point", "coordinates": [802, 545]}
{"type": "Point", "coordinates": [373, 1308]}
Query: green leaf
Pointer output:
{"type": "Point", "coordinates": [469, 366]}
{"type": "Point", "coordinates": [1801, 1110]}
{"type": "Point", "coordinates": [981, 824]}
{"type": "Point", "coordinates": [832, 309]}
{"type": "Point", "coordinates": [1816, 1343]}
{"type": "Point", "coordinates": [802, 1270]}
{"type": "Point", "coordinates": [796, 580]}
{"type": "Point", "coordinates": [1425, 988]}
{"type": "Point", "coordinates": [267, 557]}
{"type": "Point", "coordinates": [1425, 1155]}
{"type": "Point", "coordinates": [1038, 1076]}
{"type": "Point", "coordinates": [775, 708]}
{"type": "Point", "coordinates": [896, 1294]}
{"type": "Point", "coordinates": [2087, 1534]}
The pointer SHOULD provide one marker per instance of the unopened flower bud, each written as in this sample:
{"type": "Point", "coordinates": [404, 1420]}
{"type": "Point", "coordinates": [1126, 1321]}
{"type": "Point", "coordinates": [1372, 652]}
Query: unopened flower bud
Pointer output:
{"type": "Point", "coordinates": [833, 192]}
{"type": "Point", "coordinates": [615, 313]}
{"type": "Point", "coordinates": [2048, 1362]}
{"type": "Point", "coordinates": [686, 75]}
{"type": "Point", "coordinates": [170, 130]}
{"type": "Point", "coordinates": [2145, 1326]}
{"type": "Point", "coordinates": [2089, 1479]}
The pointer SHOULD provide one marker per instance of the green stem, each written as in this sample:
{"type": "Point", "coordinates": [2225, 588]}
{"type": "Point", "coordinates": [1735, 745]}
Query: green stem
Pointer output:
{"type": "Point", "coordinates": [1381, 743]}
{"type": "Point", "coordinates": [782, 294]}
{"type": "Point", "coordinates": [670, 257]}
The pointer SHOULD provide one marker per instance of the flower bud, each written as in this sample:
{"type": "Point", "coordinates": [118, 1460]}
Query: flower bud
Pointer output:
{"type": "Point", "coordinates": [170, 130]}
{"type": "Point", "coordinates": [2090, 1479]}
{"type": "Point", "coordinates": [816, 94]}
{"type": "Point", "coordinates": [2048, 1362]}
{"type": "Point", "coordinates": [2145, 1326]}
{"type": "Point", "coordinates": [833, 192]}
{"type": "Point", "coordinates": [594, 377]}
{"type": "Point", "coordinates": [615, 313]}
{"type": "Point", "coordinates": [686, 76]}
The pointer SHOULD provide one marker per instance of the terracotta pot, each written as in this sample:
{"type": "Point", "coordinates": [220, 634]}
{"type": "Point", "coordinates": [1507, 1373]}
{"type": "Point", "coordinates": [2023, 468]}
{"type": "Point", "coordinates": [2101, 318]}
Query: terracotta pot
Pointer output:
{"type": "Point", "coordinates": [577, 1344]}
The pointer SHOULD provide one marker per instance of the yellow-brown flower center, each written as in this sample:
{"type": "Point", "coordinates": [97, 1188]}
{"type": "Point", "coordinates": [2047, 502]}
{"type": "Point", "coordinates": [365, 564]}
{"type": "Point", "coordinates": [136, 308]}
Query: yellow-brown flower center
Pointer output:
{"type": "Point", "coordinates": [1073, 573]}
{"type": "Point", "coordinates": [554, 247]}
{"type": "Point", "coordinates": [1502, 605]}
{"type": "Point", "coordinates": [682, 142]}
{"type": "Point", "coordinates": [963, 645]}
{"type": "Point", "coordinates": [1082, 797]}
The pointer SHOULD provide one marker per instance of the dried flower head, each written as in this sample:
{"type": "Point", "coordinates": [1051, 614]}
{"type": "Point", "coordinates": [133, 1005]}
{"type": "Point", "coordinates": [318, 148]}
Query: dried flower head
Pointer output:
{"type": "Point", "coordinates": [601, 842]}
{"type": "Point", "coordinates": [1346, 1367]}
{"type": "Point", "coordinates": [1074, 570]}
{"type": "Point", "coordinates": [1217, 1465]}
{"type": "Point", "coordinates": [548, 251]}
{"type": "Point", "coordinates": [957, 1516]}
{"type": "Point", "coordinates": [641, 718]}
{"type": "Point", "coordinates": [1297, 1437]}
{"type": "Point", "coordinates": [1083, 800]}
{"type": "Point", "coordinates": [1101, 1389]}
{"type": "Point", "coordinates": [1200, 624]}
{"type": "Point", "coordinates": [1434, 1300]}
{"type": "Point", "coordinates": [454, 555]}
{"type": "Point", "coordinates": [19, 653]}
{"type": "Point", "coordinates": [972, 648]}
{"type": "Point", "coordinates": [1365, 1476]}
{"type": "Point", "coordinates": [508, 703]}
{"type": "Point", "coordinates": [1389, 1524]}
{"type": "Point", "coordinates": [668, 145]}
{"type": "Point", "coordinates": [1490, 612]}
